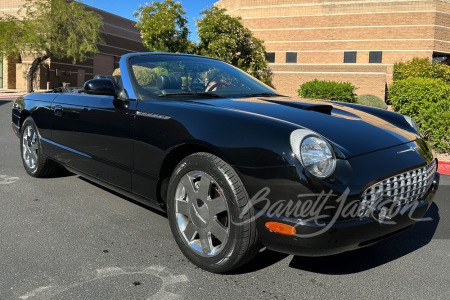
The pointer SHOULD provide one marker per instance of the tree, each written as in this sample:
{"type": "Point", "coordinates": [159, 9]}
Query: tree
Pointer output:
{"type": "Point", "coordinates": [164, 27]}
{"type": "Point", "coordinates": [51, 29]}
{"type": "Point", "coordinates": [224, 37]}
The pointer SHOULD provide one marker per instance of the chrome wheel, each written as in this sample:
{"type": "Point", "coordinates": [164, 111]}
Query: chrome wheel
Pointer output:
{"type": "Point", "coordinates": [202, 213]}
{"type": "Point", "coordinates": [30, 147]}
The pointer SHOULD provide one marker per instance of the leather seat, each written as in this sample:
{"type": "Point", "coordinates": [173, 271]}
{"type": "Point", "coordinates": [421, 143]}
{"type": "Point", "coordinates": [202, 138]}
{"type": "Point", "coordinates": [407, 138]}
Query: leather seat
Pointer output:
{"type": "Point", "coordinates": [169, 84]}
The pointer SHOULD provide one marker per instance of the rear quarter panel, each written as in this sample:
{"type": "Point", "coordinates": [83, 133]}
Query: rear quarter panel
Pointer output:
{"type": "Point", "coordinates": [39, 107]}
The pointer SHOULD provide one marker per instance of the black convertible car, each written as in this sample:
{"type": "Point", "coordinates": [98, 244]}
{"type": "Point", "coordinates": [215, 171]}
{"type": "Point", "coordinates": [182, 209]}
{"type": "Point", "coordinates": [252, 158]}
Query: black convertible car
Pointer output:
{"type": "Point", "coordinates": [236, 166]}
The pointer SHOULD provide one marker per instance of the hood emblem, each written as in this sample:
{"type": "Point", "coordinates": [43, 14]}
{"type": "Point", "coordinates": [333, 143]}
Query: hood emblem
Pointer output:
{"type": "Point", "coordinates": [411, 149]}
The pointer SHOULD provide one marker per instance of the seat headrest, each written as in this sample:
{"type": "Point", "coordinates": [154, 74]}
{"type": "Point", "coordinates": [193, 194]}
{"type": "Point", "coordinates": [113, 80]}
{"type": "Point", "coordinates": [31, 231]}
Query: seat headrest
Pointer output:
{"type": "Point", "coordinates": [165, 82]}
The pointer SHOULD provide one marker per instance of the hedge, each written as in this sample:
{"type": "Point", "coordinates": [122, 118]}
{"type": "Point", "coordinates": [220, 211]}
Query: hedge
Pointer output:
{"type": "Point", "coordinates": [145, 76]}
{"type": "Point", "coordinates": [328, 90]}
{"type": "Point", "coordinates": [427, 101]}
{"type": "Point", "coordinates": [435, 124]}
{"type": "Point", "coordinates": [408, 96]}
{"type": "Point", "coordinates": [372, 100]}
{"type": "Point", "coordinates": [421, 67]}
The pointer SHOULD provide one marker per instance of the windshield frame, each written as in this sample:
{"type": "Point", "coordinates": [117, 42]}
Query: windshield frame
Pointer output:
{"type": "Point", "coordinates": [131, 85]}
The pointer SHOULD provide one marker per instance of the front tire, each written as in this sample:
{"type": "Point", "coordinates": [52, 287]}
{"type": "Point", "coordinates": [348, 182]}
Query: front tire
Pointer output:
{"type": "Point", "coordinates": [34, 160]}
{"type": "Point", "coordinates": [205, 202]}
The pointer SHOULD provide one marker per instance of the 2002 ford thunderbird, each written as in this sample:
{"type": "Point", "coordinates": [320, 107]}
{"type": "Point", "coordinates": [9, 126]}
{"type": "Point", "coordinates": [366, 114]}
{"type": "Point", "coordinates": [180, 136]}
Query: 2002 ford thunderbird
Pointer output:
{"type": "Point", "coordinates": [236, 166]}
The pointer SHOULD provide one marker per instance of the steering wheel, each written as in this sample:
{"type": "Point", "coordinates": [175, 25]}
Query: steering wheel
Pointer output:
{"type": "Point", "coordinates": [219, 84]}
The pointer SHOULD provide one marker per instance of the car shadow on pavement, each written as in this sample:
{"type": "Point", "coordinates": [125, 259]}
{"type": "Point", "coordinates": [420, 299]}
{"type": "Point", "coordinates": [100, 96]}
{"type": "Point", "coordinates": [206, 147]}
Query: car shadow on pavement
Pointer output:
{"type": "Point", "coordinates": [4, 102]}
{"type": "Point", "coordinates": [376, 255]}
{"type": "Point", "coordinates": [154, 210]}
{"type": "Point", "coordinates": [61, 173]}
{"type": "Point", "coordinates": [262, 260]}
{"type": "Point", "coordinates": [345, 263]}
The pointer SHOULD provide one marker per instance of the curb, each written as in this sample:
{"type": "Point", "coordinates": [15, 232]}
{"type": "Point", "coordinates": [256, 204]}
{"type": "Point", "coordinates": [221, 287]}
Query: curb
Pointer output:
{"type": "Point", "coordinates": [7, 96]}
{"type": "Point", "coordinates": [444, 167]}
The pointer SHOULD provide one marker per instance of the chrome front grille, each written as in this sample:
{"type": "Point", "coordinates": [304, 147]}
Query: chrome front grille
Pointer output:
{"type": "Point", "coordinates": [401, 189]}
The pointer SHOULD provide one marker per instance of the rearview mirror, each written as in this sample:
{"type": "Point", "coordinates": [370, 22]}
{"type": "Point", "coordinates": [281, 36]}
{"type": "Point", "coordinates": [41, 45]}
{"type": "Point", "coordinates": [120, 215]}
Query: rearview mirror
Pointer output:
{"type": "Point", "coordinates": [100, 86]}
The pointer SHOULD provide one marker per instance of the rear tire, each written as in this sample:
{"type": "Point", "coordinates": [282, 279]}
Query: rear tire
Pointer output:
{"type": "Point", "coordinates": [205, 202]}
{"type": "Point", "coordinates": [34, 160]}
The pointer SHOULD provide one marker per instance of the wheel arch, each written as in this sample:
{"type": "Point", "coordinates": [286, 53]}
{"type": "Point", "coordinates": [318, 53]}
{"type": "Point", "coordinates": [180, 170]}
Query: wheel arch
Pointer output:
{"type": "Point", "coordinates": [23, 116]}
{"type": "Point", "coordinates": [172, 159]}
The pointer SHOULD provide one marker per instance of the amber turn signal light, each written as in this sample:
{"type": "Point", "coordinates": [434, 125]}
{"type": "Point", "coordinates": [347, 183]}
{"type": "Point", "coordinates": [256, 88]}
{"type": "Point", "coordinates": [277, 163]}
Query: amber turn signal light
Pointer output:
{"type": "Point", "coordinates": [281, 228]}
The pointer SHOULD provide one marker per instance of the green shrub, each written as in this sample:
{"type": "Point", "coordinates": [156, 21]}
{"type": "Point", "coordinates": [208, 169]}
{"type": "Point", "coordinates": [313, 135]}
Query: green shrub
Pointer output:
{"type": "Point", "coordinates": [421, 67]}
{"type": "Point", "coordinates": [372, 100]}
{"type": "Point", "coordinates": [434, 123]}
{"type": "Point", "coordinates": [427, 101]}
{"type": "Point", "coordinates": [408, 96]}
{"type": "Point", "coordinates": [145, 76]}
{"type": "Point", "coordinates": [328, 90]}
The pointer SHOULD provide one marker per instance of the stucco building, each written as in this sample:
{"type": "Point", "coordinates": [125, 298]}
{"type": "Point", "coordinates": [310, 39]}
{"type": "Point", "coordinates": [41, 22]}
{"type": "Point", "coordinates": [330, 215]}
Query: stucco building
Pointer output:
{"type": "Point", "coordinates": [120, 36]}
{"type": "Point", "coordinates": [345, 40]}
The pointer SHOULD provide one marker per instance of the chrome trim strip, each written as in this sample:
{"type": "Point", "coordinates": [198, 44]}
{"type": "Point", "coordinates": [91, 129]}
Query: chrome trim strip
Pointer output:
{"type": "Point", "coordinates": [153, 115]}
{"type": "Point", "coordinates": [64, 147]}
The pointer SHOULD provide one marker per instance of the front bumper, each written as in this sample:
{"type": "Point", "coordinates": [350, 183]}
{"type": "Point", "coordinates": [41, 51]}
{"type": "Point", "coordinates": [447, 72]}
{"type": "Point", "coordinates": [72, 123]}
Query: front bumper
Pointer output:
{"type": "Point", "coordinates": [341, 236]}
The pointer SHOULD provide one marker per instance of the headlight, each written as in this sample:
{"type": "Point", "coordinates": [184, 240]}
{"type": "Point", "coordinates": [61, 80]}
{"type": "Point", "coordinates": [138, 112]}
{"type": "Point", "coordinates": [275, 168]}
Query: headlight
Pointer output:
{"type": "Point", "coordinates": [412, 123]}
{"type": "Point", "coordinates": [314, 152]}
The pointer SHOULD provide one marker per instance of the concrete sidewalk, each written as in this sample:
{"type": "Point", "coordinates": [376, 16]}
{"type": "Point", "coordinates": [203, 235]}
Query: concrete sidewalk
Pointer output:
{"type": "Point", "coordinates": [11, 93]}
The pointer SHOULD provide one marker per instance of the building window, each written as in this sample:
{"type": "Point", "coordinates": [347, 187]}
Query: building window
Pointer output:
{"type": "Point", "coordinates": [375, 57]}
{"type": "Point", "coordinates": [442, 58]}
{"type": "Point", "coordinates": [270, 56]}
{"type": "Point", "coordinates": [350, 57]}
{"type": "Point", "coordinates": [291, 57]}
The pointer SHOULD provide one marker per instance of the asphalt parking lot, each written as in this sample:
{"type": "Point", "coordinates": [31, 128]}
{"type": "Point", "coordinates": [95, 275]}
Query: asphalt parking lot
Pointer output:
{"type": "Point", "coordinates": [66, 238]}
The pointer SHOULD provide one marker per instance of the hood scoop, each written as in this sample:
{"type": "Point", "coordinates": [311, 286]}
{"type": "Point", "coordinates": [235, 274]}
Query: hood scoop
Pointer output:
{"type": "Point", "coordinates": [321, 108]}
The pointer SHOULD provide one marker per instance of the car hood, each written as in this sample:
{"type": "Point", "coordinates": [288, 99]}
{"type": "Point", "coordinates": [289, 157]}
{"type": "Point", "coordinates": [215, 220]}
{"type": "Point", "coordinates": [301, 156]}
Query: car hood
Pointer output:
{"type": "Point", "coordinates": [353, 129]}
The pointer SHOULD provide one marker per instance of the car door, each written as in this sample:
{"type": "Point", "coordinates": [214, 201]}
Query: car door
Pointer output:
{"type": "Point", "coordinates": [94, 134]}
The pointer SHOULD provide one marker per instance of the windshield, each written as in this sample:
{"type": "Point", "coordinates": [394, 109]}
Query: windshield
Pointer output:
{"type": "Point", "coordinates": [179, 76]}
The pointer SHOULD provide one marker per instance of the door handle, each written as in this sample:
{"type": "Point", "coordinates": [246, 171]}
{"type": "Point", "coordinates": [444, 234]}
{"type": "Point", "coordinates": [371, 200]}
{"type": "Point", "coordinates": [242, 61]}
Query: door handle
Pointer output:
{"type": "Point", "coordinates": [58, 110]}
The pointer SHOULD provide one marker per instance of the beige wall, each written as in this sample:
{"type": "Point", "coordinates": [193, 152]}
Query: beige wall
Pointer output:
{"type": "Point", "coordinates": [370, 79]}
{"type": "Point", "coordinates": [9, 72]}
{"type": "Point", "coordinates": [10, 7]}
{"type": "Point", "coordinates": [21, 73]}
{"type": "Point", "coordinates": [321, 31]}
